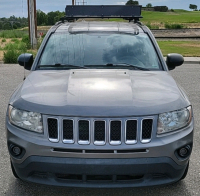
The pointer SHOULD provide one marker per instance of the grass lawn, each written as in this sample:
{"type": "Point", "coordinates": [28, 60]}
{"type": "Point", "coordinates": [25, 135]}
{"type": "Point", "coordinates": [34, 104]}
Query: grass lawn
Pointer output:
{"type": "Point", "coordinates": [186, 48]}
{"type": "Point", "coordinates": [178, 16]}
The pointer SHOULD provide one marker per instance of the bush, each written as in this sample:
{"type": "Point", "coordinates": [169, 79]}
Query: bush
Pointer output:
{"type": "Point", "coordinates": [173, 26]}
{"type": "Point", "coordinates": [15, 40]}
{"type": "Point", "coordinates": [148, 25]}
{"type": "Point", "coordinates": [16, 46]}
{"type": "Point", "coordinates": [161, 8]}
{"type": "Point", "coordinates": [3, 40]}
{"type": "Point", "coordinates": [10, 56]}
{"type": "Point", "coordinates": [172, 10]}
{"type": "Point", "coordinates": [154, 27]}
{"type": "Point", "coordinates": [26, 40]}
{"type": "Point", "coordinates": [13, 50]}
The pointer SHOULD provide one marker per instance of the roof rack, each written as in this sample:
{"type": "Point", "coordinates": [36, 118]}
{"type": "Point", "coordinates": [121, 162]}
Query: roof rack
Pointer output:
{"type": "Point", "coordinates": [103, 11]}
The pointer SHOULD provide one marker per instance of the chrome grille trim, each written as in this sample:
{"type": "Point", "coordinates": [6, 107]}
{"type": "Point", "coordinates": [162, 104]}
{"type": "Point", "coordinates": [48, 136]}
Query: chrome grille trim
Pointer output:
{"type": "Point", "coordinates": [113, 142]}
{"type": "Point", "coordinates": [90, 135]}
{"type": "Point", "coordinates": [66, 141]}
{"type": "Point", "coordinates": [129, 142]}
{"type": "Point", "coordinates": [144, 141]}
{"type": "Point", "coordinates": [84, 142]}
{"type": "Point", "coordinates": [54, 140]}
{"type": "Point", "coordinates": [96, 142]}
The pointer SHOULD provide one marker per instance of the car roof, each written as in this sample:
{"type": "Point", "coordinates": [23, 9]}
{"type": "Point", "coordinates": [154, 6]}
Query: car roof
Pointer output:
{"type": "Point", "coordinates": [83, 26]}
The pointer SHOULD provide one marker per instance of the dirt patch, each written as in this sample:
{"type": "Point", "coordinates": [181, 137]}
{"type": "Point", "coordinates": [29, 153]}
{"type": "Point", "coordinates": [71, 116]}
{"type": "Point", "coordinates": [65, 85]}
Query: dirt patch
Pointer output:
{"type": "Point", "coordinates": [191, 25]}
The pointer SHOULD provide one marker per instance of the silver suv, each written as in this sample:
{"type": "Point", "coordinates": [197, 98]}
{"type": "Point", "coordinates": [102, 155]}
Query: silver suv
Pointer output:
{"type": "Point", "coordinates": [100, 108]}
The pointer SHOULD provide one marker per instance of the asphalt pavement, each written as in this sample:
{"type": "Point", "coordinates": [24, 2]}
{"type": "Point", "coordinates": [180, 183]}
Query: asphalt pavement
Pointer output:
{"type": "Point", "coordinates": [187, 75]}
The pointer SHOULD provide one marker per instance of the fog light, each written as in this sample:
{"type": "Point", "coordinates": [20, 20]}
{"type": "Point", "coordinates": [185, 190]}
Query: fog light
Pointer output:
{"type": "Point", "coordinates": [184, 151]}
{"type": "Point", "coordinates": [16, 150]}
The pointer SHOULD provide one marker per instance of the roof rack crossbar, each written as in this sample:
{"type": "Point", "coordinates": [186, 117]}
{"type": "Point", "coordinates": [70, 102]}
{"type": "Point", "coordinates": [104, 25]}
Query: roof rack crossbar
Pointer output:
{"type": "Point", "coordinates": [103, 11]}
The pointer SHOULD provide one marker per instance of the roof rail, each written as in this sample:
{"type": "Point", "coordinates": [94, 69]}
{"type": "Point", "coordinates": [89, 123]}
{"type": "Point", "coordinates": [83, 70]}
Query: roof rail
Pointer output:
{"type": "Point", "coordinates": [127, 12]}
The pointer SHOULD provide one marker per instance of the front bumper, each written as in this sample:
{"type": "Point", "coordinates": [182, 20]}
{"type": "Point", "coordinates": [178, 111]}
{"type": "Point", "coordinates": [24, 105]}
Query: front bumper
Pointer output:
{"type": "Point", "coordinates": [44, 163]}
{"type": "Point", "coordinates": [99, 173]}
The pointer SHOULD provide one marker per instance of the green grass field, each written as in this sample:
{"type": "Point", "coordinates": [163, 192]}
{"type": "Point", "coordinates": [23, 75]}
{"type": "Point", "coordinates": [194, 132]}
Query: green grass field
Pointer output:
{"type": "Point", "coordinates": [187, 18]}
{"type": "Point", "coordinates": [178, 16]}
{"type": "Point", "coordinates": [186, 48]}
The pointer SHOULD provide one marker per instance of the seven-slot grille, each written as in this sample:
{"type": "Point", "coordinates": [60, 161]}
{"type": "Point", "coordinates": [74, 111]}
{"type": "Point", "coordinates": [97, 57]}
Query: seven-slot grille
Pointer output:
{"type": "Point", "coordinates": [115, 132]}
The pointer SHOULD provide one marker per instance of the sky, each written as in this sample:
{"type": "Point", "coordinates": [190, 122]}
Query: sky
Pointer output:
{"type": "Point", "coordinates": [18, 8]}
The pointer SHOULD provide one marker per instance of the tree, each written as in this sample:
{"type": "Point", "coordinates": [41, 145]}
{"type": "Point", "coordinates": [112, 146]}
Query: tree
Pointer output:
{"type": "Point", "coordinates": [54, 17]}
{"type": "Point", "coordinates": [131, 2]}
{"type": "Point", "coordinates": [149, 5]}
{"type": "Point", "coordinates": [193, 7]}
{"type": "Point", "coordinates": [7, 26]}
{"type": "Point", "coordinates": [41, 18]}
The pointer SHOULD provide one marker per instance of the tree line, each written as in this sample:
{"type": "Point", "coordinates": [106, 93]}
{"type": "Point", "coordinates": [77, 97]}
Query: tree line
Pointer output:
{"type": "Point", "coordinates": [48, 19]}
{"type": "Point", "coordinates": [13, 23]}
{"type": "Point", "coordinates": [42, 19]}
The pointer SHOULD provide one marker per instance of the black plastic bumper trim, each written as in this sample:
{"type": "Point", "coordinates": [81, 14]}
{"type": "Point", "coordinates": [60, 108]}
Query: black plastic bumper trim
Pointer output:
{"type": "Point", "coordinates": [45, 170]}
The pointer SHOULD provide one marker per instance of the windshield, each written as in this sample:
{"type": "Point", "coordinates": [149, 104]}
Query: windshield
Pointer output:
{"type": "Point", "coordinates": [97, 50]}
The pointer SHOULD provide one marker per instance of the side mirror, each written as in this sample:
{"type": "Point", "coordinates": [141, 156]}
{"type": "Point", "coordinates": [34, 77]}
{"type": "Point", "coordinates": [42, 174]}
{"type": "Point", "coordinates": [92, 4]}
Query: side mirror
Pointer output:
{"type": "Point", "coordinates": [174, 60]}
{"type": "Point", "coordinates": [26, 60]}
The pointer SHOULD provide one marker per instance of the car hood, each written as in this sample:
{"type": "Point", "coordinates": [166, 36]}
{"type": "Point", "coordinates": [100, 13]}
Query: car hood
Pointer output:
{"type": "Point", "coordinates": [99, 93]}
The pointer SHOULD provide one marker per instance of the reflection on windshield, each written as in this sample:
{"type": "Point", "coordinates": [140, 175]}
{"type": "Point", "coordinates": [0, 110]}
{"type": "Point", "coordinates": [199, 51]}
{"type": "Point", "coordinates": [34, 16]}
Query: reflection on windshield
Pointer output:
{"type": "Point", "coordinates": [100, 49]}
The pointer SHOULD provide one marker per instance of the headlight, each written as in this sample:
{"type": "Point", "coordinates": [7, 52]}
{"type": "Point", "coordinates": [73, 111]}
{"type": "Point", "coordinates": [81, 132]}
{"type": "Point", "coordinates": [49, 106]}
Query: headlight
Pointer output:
{"type": "Point", "coordinates": [172, 121]}
{"type": "Point", "coordinates": [27, 120]}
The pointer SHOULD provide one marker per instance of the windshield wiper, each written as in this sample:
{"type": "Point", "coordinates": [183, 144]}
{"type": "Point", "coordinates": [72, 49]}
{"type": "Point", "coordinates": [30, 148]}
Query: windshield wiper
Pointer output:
{"type": "Point", "coordinates": [62, 66]}
{"type": "Point", "coordinates": [126, 65]}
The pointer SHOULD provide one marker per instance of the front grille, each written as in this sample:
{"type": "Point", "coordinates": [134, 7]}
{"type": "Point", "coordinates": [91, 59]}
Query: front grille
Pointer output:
{"type": "Point", "coordinates": [53, 129]}
{"type": "Point", "coordinates": [100, 131]}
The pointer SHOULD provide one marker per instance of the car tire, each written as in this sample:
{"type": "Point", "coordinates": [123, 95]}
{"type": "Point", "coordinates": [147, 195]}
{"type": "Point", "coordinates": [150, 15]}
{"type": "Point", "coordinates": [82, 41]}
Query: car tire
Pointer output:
{"type": "Point", "coordinates": [13, 170]}
{"type": "Point", "coordinates": [185, 172]}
